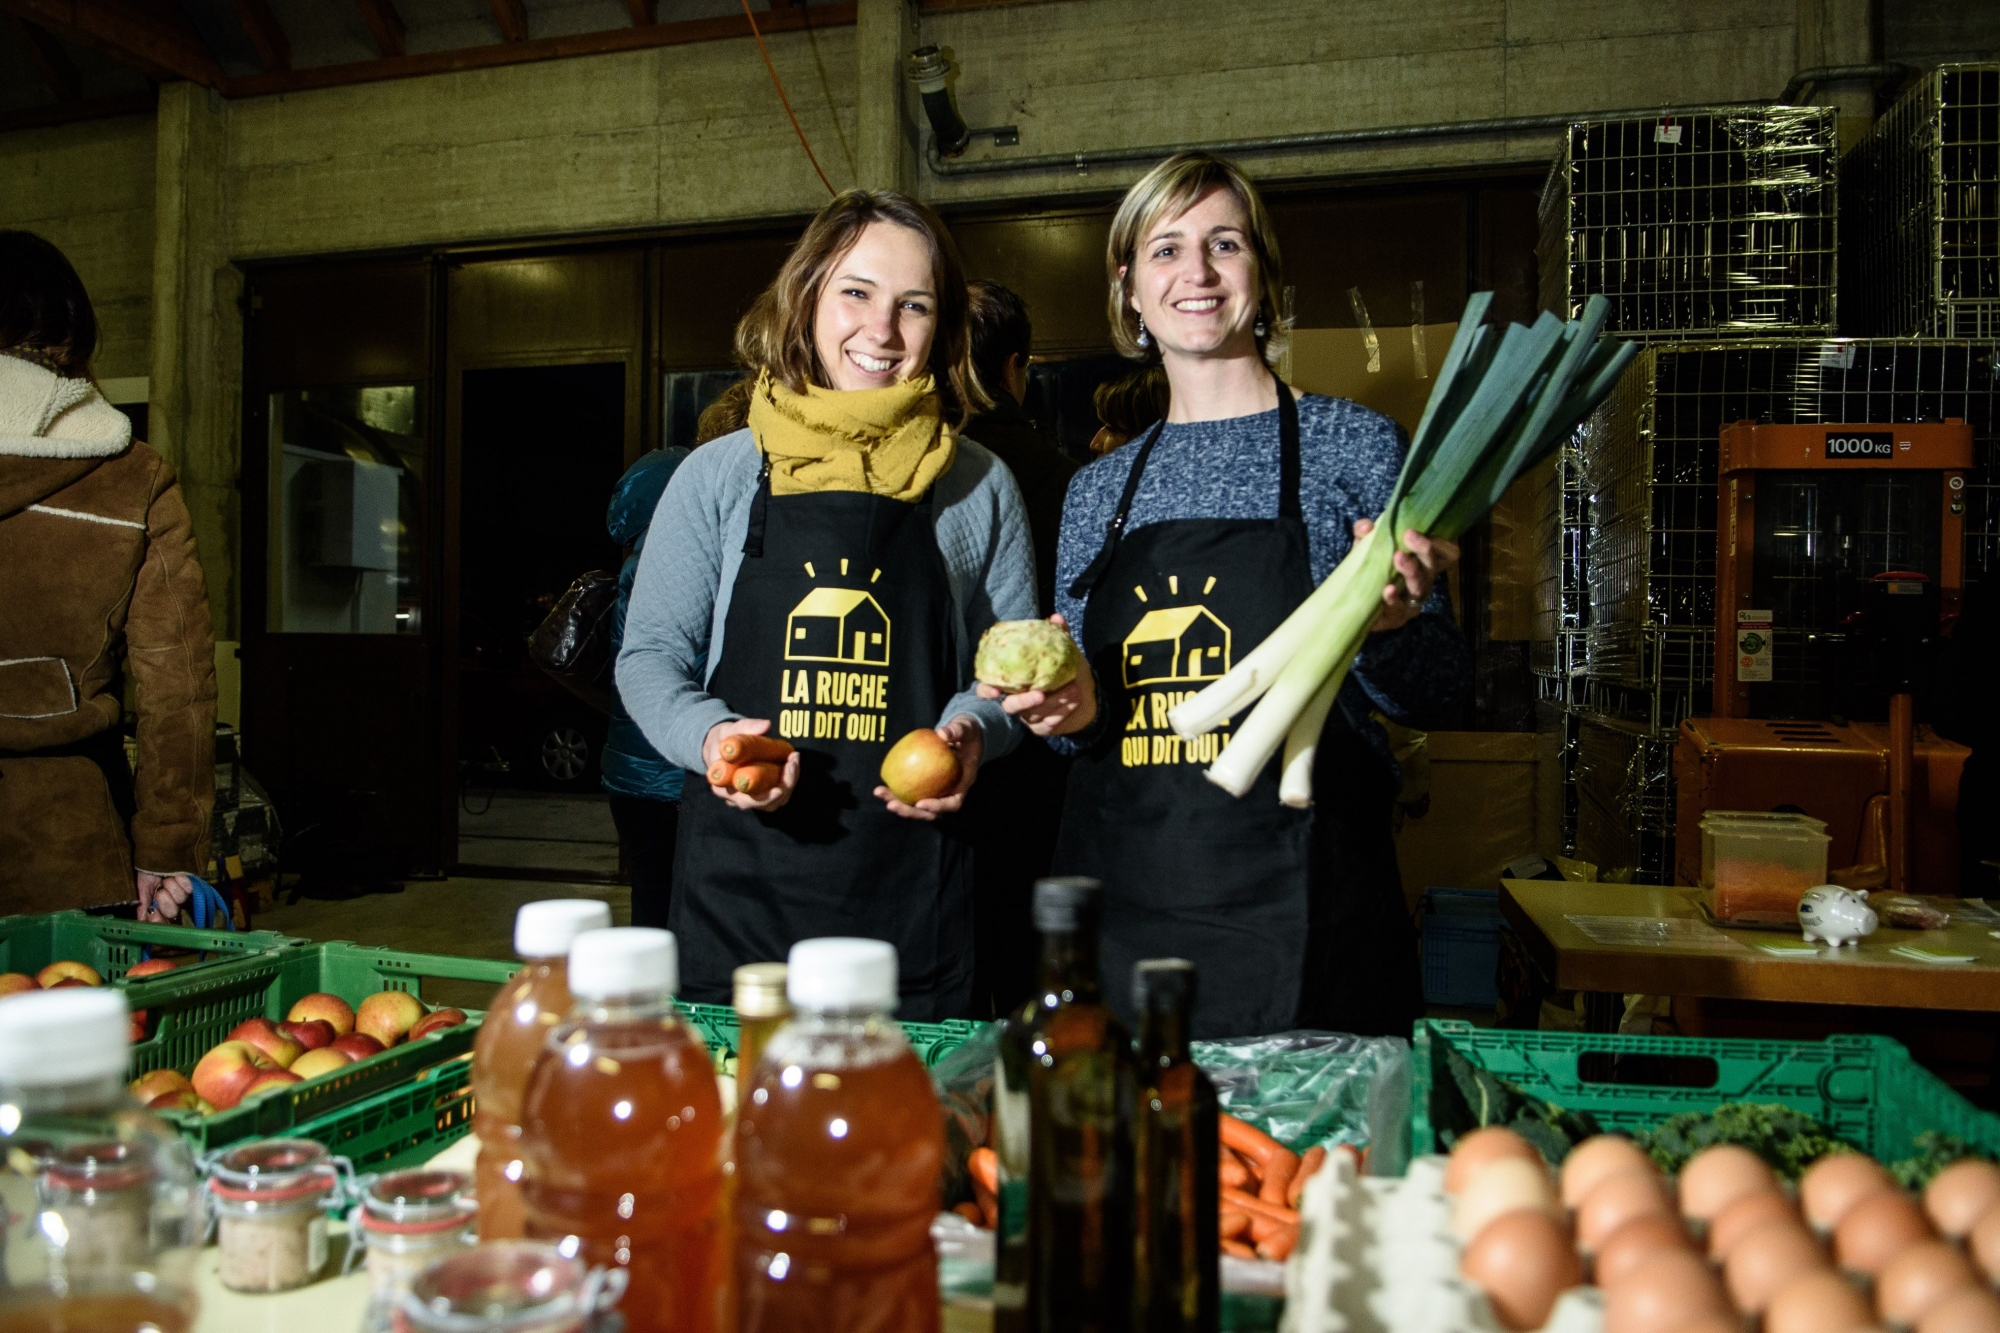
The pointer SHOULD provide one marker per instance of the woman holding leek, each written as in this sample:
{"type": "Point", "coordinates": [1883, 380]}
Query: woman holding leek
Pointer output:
{"type": "Point", "coordinates": [1181, 551]}
{"type": "Point", "coordinates": [833, 565]}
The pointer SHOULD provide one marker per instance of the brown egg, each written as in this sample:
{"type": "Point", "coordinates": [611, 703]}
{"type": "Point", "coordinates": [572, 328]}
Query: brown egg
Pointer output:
{"type": "Point", "coordinates": [1820, 1302]}
{"type": "Point", "coordinates": [1501, 1186]}
{"type": "Point", "coordinates": [1832, 1185]}
{"type": "Point", "coordinates": [1765, 1261]}
{"type": "Point", "coordinates": [1960, 1195]}
{"type": "Point", "coordinates": [1713, 1323]}
{"type": "Point", "coordinates": [1664, 1294]}
{"type": "Point", "coordinates": [1920, 1279]}
{"type": "Point", "coordinates": [1876, 1230]}
{"type": "Point", "coordinates": [1716, 1177]}
{"type": "Point", "coordinates": [1740, 1218]}
{"type": "Point", "coordinates": [1617, 1200]}
{"type": "Point", "coordinates": [1478, 1148]}
{"type": "Point", "coordinates": [1592, 1160]}
{"type": "Point", "coordinates": [1983, 1241]}
{"type": "Point", "coordinates": [1624, 1248]}
{"type": "Point", "coordinates": [1971, 1311]}
{"type": "Point", "coordinates": [1522, 1261]}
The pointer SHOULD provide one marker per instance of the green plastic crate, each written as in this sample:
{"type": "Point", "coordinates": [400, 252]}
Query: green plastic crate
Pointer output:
{"type": "Point", "coordinates": [405, 1126]}
{"type": "Point", "coordinates": [1866, 1089]}
{"type": "Point", "coordinates": [197, 1012]}
{"type": "Point", "coordinates": [113, 946]}
{"type": "Point", "coordinates": [932, 1041]}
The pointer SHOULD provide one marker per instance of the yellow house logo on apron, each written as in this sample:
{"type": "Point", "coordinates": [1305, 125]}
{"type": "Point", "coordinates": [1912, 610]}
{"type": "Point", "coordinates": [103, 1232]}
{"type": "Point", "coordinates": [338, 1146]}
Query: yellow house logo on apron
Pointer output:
{"type": "Point", "coordinates": [1171, 646]}
{"type": "Point", "coordinates": [843, 627]}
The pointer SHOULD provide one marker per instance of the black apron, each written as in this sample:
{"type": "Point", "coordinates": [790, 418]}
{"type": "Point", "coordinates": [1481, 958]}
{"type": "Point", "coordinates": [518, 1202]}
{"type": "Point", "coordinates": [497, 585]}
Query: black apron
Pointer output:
{"type": "Point", "coordinates": [1294, 917]}
{"type": "Point", "coordinates": [839, 630]}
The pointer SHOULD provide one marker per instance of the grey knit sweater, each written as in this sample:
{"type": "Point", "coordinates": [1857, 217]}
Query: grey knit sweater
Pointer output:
{"type": "Point", "coordinates": [680, 602]}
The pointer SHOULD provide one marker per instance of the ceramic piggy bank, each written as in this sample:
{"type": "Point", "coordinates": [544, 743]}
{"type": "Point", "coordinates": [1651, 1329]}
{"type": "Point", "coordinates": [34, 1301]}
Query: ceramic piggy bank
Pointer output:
{"type": "Point", "coordinates": [1836, 916]}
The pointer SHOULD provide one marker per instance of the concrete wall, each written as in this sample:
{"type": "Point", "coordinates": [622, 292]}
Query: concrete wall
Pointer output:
{"type": "Point", "coordinates": [89, 189]}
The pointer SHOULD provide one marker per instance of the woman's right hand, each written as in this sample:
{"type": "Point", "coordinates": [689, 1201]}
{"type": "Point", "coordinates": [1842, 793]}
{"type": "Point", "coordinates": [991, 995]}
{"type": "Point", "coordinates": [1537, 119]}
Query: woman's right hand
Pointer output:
{"type": "Point", "coordinates": [1052, 712]}
{"type": "Point", "coordinates": [788, 777]}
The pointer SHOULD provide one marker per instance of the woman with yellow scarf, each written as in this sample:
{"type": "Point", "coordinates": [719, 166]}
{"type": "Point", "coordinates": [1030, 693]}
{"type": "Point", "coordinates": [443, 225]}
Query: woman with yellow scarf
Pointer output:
{"type": "Point", "coordinates": [823, 576]}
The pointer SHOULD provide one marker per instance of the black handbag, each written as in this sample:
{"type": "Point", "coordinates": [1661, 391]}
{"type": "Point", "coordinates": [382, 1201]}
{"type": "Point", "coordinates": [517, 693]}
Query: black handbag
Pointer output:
{"type": "Point", "coordinates": [574, 643]}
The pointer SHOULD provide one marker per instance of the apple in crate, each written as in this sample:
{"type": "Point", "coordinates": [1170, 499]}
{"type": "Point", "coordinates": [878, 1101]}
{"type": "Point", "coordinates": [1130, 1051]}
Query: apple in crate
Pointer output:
{"type": "Point", "coordinates": [389, 1015]}
{"type": "Point", "coordinates": [275, 1078]}
{"type": "Point", "coordinates": [328, 1008]}
{"type": "Point", "coordinates": [63, 970]}
{"type": "Point", "coordinates": [17, 983]}
{"type": "Point", "coordinates": [359, 1045]}
{"type": "Point", "coordinates": [151, 967]}
{"type": "Point", "coordinates": [225, 1074]}
{"type": "Point", "coordinates": [311, 1034]}
{"type": "Point", "coordinates": [160, 1081]}
{"type": "Point", "coordinates": [181, 1101]}
{"type": "Point", "coordinates": [264, 1035]}
{"type": "Point", "coordinates": [437, 1020]}
{"type": "Point", "coordinates": [317, 1064]}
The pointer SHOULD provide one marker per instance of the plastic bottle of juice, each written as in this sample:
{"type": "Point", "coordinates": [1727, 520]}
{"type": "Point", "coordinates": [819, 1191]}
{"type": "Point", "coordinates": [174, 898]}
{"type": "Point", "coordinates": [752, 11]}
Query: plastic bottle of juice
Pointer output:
{"type": "Point", "coordinates": [99, 1200]}
{"type": "Point", "coordinates": [838, 1144]}
{"type": "Point", "coordinates": [622, 1135]}
{"type": "Point", "coordinates": [517, 1025]}
{"type": "Point", "coordinates": [1176, 1286]}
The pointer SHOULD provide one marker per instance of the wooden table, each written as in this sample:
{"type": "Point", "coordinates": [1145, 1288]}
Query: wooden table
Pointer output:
{"type": "Point", "coordinates": [1713, 963]}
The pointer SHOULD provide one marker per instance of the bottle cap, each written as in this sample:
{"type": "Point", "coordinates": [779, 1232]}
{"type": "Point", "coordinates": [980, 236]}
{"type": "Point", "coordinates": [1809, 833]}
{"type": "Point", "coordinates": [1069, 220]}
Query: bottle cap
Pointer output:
{"type": "Point", "coordinates": [840, 973]}
{"type": "Point", "coordinates": [759, 990]}
{"type": "Point", "coordinates": [623, 960]}
{"type": "Point", "coordinates": [1163, 985]}
{"type": "Point", "coordinates": [1065, 903]}
{"type": "Point", "coordinates": [545, 929]}
{"type": "Point", "coordinates": [74, 1035]}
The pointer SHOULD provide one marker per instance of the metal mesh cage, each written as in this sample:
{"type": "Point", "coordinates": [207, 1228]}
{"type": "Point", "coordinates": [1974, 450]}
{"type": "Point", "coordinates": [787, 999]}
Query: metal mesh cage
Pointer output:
{"type": "Point", "coordinates": [1720, 222]}
{"type": "Point", "coordinates": [1625, 799]}
{"type": "Point", "coordinates": [1922, 196]}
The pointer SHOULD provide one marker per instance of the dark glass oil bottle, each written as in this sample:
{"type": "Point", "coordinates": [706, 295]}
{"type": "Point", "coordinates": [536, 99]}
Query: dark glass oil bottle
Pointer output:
{"type": "Point", "coordinates": [1080, 1081]}
{"type": "Point", "coordinates": [1176, 1282]}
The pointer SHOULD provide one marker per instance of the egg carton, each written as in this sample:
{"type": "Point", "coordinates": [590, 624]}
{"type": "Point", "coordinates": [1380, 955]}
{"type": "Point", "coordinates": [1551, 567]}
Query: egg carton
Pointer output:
{"type": "Point", "coordinates": [1377, 1255]}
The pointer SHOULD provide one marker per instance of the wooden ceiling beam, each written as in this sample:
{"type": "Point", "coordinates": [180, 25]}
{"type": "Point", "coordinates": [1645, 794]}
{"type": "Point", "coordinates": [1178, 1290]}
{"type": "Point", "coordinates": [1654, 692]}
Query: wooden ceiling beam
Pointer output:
{"type": "Point", "coordinates": [644, 12]}
{"type": "Point", "coordinates": [52, 63]}
{"type": "Point", "coordinates": [68, 113]}
{"type": "Point", "coordinates": [385, 25]}
{"type": "Point", "coordinates": [274, 52]}
{"type": "Point", "coordinates": [511, 16]}
{"type": "Point", "coordinates": [137, 36]}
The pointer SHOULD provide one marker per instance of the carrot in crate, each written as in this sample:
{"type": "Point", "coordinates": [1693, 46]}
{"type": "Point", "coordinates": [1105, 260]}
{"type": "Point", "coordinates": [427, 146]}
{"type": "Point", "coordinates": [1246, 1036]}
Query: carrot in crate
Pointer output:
{"type": "Point", "coordinates": [1314, 1159]}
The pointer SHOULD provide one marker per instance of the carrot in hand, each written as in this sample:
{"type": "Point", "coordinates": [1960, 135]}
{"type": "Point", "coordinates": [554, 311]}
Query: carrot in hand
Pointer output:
{"type": "Point", "coordinates": [745, 749]}
{"type": "Point", "coordinates": [721, 773]}
{"type": "Point", "coordinates": [755, 779]}
{"type": "Point", "coordinates": [1309, 1165]}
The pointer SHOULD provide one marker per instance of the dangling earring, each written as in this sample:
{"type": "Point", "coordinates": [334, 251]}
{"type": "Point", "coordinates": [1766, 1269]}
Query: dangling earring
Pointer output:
{"type": "Point", "coordinates": [1262, 328]}
{"type": "Point", "coordinates": [1144, 339]}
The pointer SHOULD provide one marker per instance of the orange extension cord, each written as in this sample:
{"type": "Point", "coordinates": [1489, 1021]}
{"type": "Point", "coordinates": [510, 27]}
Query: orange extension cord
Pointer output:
{"type": "Point", "coordinates": [778, 83]}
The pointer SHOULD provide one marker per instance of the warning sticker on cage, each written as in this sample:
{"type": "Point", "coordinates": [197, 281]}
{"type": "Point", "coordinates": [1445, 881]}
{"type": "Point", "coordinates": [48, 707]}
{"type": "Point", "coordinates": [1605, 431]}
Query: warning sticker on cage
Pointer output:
{"type": "Point", "coordinates": [1653, 932]}
{"type": "Point", "coordinates": [1753, 645]}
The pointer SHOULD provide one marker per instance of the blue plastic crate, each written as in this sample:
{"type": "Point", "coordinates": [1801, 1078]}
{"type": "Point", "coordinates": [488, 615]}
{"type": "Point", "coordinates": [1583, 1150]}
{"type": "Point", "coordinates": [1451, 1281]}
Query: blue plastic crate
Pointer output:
{"type": "Point", "coordinates": [1461, 946]}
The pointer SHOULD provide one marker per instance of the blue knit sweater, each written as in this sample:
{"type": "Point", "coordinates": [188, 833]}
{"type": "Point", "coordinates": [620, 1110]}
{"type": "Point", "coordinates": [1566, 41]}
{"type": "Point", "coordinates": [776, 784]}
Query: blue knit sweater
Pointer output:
{"type": "Point", "coordinates": [1349, 457]}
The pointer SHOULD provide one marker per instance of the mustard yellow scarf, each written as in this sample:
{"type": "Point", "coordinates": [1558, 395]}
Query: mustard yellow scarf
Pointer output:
{"type": "Point", "coordinates": [889, 441]}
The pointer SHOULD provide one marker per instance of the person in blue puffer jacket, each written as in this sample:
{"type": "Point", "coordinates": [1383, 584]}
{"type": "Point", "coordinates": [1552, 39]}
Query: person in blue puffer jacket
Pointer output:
{"type": "Point", "coordinates": [645, 789]}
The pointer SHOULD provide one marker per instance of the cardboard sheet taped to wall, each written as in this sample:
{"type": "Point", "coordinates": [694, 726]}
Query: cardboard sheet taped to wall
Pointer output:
{"type": "Point", "coordinates": [1334, 362]}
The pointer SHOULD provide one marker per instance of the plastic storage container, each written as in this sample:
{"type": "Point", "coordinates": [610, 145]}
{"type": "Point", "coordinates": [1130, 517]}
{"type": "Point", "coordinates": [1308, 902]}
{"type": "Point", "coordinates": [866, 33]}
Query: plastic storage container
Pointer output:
{"type": "Point", "coordinates": [1756, 865]}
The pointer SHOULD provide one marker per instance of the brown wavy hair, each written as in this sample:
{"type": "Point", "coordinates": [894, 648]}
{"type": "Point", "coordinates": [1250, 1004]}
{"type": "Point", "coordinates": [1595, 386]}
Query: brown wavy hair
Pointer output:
{"type": "Point", "coordinates": [777, 333]}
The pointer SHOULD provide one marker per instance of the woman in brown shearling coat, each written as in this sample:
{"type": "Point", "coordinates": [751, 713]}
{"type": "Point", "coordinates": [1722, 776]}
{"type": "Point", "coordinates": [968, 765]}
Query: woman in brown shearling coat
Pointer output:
{"type": "Point", "coordinates": [98, 578]}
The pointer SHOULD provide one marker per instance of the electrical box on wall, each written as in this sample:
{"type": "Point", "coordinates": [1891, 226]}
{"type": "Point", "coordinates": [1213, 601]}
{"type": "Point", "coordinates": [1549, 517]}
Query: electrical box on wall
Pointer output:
{"type": "Point", "coordinates": [357, 514]}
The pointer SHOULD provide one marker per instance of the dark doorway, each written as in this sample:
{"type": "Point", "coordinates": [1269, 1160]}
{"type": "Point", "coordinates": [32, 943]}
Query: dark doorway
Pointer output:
{"type": "Point", "coordinates": [541, 448]}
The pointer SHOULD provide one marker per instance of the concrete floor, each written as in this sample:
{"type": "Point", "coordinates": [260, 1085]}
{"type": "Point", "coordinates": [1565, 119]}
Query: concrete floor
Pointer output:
{"type": "Point", "coordinates": [470, 918]}
{"type": "Point", "coordinates": [537, 830]}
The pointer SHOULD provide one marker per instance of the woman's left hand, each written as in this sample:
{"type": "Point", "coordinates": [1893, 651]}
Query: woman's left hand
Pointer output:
{"type": "Point", "coordinates": [963, 735]}
{"type": "Point", "coordinates": [1418, 567]}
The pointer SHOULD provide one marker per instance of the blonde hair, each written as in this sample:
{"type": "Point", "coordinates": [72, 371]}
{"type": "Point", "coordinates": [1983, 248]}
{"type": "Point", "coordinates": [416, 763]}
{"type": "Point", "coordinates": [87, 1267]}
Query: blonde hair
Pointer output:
{"type": "Point", "coordinates": [1167, 191]}
{"type": "Point", "coordinates": [777, 332]}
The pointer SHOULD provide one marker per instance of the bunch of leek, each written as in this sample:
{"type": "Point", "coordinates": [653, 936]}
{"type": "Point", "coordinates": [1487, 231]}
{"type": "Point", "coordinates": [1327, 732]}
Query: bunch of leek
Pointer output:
{"type": "Point", "coordinates": [1504, 399]}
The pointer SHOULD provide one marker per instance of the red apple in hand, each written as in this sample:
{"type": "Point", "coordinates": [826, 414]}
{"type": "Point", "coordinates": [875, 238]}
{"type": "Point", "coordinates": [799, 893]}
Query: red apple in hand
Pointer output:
{"type": "Point", "coordinates": [264, 1035]}
{"type": "Point", "coordinates": [357, 1044]}
{"type": "Point", "coordinates": [226, 1073]}
{"type": "Point", "coordinates": [326, 1007]}
{"type": "Point", "coordinates": [437, 1021]}
{"type": "Point", "coordinates": [388, 1015]}
{"type": "Point", "coordinates": [311, 1034]}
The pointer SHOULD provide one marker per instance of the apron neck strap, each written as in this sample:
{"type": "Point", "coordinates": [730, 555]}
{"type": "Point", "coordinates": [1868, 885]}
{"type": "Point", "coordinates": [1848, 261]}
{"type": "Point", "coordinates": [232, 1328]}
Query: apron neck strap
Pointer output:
{"type": "Point", "coordinates": [1288, 486]}
{"type": "Point", "coordinates": [760, 508]}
